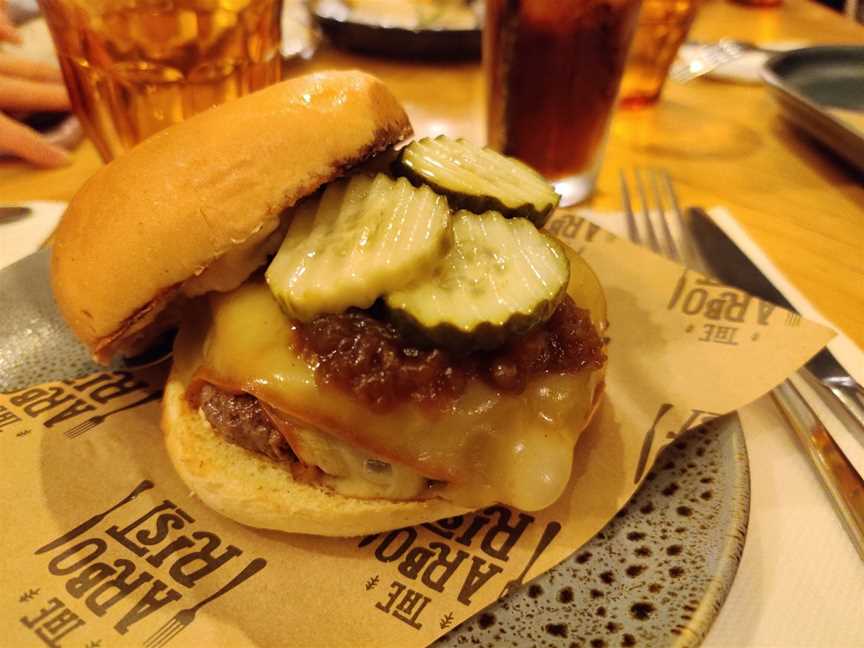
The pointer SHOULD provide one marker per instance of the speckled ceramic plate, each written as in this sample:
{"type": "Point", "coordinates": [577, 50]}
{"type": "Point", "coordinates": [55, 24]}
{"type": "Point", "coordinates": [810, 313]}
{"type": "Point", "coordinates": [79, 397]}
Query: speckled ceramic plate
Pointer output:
{"type": "Point", "coordinates": [656, 576]}
{"type": "Point", "coordinates": [659, 572]}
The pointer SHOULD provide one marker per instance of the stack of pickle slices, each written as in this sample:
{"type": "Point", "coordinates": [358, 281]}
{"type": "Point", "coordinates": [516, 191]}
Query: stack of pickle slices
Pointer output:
{"type": "Point", "coordinates": [448, 240]}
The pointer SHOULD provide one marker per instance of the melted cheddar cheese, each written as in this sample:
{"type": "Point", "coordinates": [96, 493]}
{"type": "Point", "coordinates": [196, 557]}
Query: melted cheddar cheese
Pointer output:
{"type": "Point", "coordinates": [486, 446]}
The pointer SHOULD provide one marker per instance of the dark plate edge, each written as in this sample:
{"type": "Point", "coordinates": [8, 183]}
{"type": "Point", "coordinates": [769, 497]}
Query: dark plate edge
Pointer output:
{"type": "Point", "coordinates": [402, 30]}
{"type": "Point", "coordinates": [790, 99]}
{"type": "Point", "coordinates": [324, 15]}
{"type": "Point", "coordinates": [402, 43]}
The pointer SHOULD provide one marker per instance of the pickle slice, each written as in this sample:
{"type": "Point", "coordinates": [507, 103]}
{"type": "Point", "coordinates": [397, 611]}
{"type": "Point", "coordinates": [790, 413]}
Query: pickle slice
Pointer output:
{"type": "Point", "coordinates": [363, 237]}
{"type": "Point", "coordinates": [478, 179]}
{"type": "Point", "coordinates": [501, 277]}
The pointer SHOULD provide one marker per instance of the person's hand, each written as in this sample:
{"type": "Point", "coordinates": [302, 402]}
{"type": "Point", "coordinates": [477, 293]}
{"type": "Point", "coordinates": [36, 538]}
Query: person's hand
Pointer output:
{"type": "Point", "coordinates": [7, 28]}
{"type": "Point", "coordinates": [28, 86]}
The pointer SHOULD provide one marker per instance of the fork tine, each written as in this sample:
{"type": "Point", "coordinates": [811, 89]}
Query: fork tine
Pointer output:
{"type": "Point", "coordinates": [80, 429]}
{"type": "Point", "coordinates": [669, 240]}
{"type": "Point", "coordinates": [706, 59]}
{"type": "Point", "coordinates": [689, 256]}
{"type": "Point", "coordinates": [632, 230]}
{"type": "Point", "coordinates": [157, 638]}
{"type": "Point", "coordinates": [653, 243]}
{"type": "Point", "coordinates": [175, 630]}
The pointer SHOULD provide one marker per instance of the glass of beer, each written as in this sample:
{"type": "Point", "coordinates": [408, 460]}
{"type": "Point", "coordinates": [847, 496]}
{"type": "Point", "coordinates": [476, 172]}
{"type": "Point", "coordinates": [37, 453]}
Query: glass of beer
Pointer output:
{"type": "Point", "coordinates": [553, 68]}
{"type": "Point", "coordinates": [663, 26]}
{"type": "Point", "coordinates": [133, 67]}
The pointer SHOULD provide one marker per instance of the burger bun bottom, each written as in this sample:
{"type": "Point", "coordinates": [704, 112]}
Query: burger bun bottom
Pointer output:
{"type": "Point", "coordinates": [255, 491]}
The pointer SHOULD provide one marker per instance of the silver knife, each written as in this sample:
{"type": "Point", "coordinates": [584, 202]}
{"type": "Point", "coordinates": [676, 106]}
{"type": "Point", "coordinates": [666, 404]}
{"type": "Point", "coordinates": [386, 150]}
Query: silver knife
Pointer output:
{"type": "Point", "coordinates": [730, 265]}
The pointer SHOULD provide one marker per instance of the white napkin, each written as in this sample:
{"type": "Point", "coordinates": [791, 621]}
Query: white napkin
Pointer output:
{"type": "Point", "coordinates": [800, 582]}
{"type": "Point", "coordinates": [25, 235]}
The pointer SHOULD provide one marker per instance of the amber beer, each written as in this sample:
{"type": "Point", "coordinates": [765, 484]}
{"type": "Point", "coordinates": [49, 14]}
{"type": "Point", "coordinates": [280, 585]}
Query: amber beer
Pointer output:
{"type": "Point", "coordinates": [552, 69]}
{"type": "Point", "coordinates": [663, 26]}
{"type": "Point", "coordinates": [133, 67]}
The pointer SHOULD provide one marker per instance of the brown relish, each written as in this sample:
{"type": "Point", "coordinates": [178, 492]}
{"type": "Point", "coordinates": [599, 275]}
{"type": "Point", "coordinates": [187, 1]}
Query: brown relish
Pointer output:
{"type": "Point", "coordinates": [371, 360]}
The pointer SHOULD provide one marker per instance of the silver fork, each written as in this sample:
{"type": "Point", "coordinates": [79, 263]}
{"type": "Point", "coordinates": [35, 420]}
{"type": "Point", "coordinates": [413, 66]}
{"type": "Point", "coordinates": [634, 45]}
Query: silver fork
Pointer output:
{"type": "Point", "coordinates": [184, 617]}
{"type": "Point", "coordinates": [659, 202]}
{"type": "Point", "coordinates": [706, 59]}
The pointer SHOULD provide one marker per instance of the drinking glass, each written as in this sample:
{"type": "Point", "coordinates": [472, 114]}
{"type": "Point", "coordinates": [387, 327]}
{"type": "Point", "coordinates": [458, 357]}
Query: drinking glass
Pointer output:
{"type": "Point", "coordinates": [663, 26]}
{"type": "Point", "coordinates": [133, 67]}
{"type": "Point", "coordinates": [552, 69]}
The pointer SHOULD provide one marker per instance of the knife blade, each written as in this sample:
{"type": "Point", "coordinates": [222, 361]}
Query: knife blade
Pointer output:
{"type": "Point", "coordinates": [729, 264]}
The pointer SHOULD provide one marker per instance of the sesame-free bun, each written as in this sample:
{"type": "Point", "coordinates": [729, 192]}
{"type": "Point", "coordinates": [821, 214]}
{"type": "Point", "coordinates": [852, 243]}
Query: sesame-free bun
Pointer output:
{"type": "Point", "coordinates": [196, 207]}
{"type": "Point", "coordinates": [255, 491]}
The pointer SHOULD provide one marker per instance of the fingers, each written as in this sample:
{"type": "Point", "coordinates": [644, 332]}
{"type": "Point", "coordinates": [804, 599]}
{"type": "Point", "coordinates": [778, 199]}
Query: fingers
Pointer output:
{"type": "Point", "coordinates": [67, 134]}
{"type": "Point", "coordinates": [8, 32]}
{"type": "Point", "coordinates": [29, 69]}
{"type": "Point", "coordinates": [7, 29]}
{"type": "Point", "coordinates": [17, 139]}
{"type": "Point", "coordinates": [28, 85]}
{"type": "Point", "coordinates": [24, 94]}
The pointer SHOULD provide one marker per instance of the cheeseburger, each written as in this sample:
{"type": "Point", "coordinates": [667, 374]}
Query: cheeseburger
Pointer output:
{"type": "Point", "coordinates": [367, 338]}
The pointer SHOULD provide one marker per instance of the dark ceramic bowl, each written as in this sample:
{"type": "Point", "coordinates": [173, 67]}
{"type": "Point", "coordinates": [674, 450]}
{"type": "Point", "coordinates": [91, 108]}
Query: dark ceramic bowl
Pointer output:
{"type": "Point", "coordinates": [393, 41]}
{"type": "Point", "coordinates": [809, 82]}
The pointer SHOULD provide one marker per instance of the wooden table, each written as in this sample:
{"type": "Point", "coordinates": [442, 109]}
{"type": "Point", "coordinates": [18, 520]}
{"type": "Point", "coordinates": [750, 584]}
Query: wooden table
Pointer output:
{"type": "Point", "coordinates": [724, 144]}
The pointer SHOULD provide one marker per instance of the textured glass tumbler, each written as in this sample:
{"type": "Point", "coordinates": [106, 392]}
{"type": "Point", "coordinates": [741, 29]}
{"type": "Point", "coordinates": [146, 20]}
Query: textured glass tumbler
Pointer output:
{"type": "Point", "coordinates": [133, 67]}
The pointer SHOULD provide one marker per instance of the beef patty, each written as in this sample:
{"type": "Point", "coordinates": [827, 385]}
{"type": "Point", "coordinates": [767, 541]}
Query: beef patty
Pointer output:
{"type": "Point", "coordinates": [240, 419]}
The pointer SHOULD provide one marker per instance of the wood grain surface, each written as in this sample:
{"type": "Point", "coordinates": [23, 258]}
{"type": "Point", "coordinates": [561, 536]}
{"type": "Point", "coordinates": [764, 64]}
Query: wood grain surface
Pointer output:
{"type": "Point", "coordinates": [724, 144]}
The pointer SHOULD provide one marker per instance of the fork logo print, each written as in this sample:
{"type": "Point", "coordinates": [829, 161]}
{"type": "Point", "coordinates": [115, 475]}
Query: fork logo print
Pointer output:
{"type": "Point", "coordinates": [81, 404]}
{"type": "Point", "coordinates": [151, 557]}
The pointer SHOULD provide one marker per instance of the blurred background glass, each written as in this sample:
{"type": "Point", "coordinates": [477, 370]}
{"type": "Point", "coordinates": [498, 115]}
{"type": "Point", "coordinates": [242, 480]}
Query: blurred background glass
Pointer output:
{"type": "Point", "coordinates": [663, 26]}
{"type": "Point", "coordinates": [133, 67]}
{"type": "Point", "coordinates": [552, 74]}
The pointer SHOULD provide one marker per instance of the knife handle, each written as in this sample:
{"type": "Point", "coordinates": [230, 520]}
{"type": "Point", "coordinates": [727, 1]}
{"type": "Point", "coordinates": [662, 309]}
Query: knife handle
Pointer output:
{"type": "Point", "coordinates": [852, 401]}
{"type": "Point", "coordinates": [843, 395]}
{"type": "Point", "coordinates": [840, 477]}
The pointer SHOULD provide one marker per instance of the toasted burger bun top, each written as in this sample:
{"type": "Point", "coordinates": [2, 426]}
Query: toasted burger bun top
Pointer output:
{"type": "Point", "coordinates": [193, 208]}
